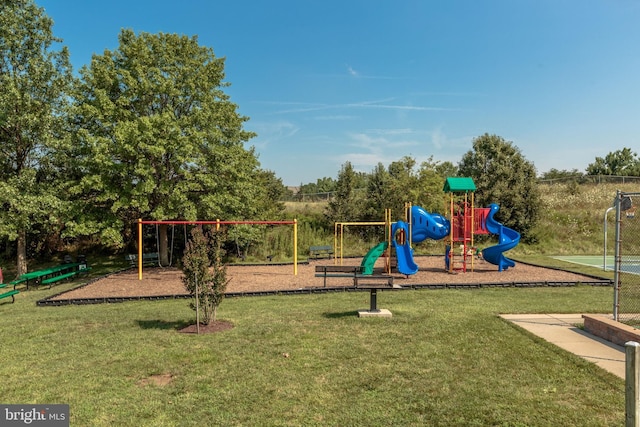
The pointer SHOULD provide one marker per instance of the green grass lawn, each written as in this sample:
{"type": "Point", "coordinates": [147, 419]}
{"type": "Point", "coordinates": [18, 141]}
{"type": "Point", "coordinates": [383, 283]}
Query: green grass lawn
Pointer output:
{"type": "Point", "coordinates": [444, 359]}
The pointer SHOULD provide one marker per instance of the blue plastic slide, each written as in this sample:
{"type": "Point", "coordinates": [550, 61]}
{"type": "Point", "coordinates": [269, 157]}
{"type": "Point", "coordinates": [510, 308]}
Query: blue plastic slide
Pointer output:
{"type": "Point", "coordinates": [507, 239]}
{"type": "Point", "coordinates": [423, 225]}
{"type": "Point", "coordinates": [427, 225]}
{"type": "Point", "coordinates": [404, 253]}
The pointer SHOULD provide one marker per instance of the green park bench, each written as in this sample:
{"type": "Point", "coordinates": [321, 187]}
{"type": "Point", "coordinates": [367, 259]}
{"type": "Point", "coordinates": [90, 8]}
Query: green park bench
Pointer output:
{"type": "Point", "coordinates": [54, 279]}
{"type": "Point", "coordinates": [17, 282]}
{"type": "Point", "coordinates": [352, 271]}
{"type": "Point", "coordinates": [325, 271]}
{"type": "Point", "coordinates": [11, 294]}
{"type": "Point", "coordinates": [321, 252]}
{"type": "Point", "coordinates": [148, 259]}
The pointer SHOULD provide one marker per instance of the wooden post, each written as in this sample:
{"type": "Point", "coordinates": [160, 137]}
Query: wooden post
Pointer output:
{"type": "Point", "coordinates": [632, 384]}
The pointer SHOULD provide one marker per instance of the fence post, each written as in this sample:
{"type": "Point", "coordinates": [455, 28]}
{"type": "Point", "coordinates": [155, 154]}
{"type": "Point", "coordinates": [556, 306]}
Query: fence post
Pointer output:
{"type": "Point", "coordinates": [616, 261]}
{"type": "Point", "coordinates": [632, 384]}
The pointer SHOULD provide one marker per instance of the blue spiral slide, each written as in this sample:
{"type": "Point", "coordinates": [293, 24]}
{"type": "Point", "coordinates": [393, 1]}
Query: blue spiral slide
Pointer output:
{"type": "Point", "coordinates": [507, 239]}
{"type": "Point", "coordinates": [423, 225]}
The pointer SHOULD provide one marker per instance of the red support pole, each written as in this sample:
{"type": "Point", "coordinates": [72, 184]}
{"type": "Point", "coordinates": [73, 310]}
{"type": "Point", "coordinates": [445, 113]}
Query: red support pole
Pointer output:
{"type": "Point", "coordinates": [180, 222]}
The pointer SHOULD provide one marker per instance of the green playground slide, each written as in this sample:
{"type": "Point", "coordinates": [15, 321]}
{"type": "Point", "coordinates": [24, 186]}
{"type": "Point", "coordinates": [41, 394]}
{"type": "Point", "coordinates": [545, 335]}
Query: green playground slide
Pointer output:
{"type": "Point", "coordinates": [372, 256]}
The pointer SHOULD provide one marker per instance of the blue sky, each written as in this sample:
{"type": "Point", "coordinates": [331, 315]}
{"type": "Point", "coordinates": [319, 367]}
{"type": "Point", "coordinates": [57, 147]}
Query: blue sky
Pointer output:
{"type": "Point", "coordinates": [325, 82]}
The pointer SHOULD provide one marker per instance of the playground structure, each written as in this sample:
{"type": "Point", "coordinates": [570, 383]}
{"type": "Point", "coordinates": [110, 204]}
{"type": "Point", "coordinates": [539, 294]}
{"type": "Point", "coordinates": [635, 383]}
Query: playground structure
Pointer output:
{"type": "Point", "coordinates": [465, 221]}
{"type": "Point", "coordinates": [217, 223]}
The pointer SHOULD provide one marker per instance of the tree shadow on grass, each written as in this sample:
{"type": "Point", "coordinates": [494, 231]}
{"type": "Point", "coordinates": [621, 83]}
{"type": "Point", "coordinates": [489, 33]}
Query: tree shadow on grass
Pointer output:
{"type": "Point", "coordinates": [162, 324]}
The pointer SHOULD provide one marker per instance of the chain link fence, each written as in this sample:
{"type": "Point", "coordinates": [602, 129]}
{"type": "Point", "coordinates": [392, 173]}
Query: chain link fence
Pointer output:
{"type": "Point", "coordinates": [592, 179]}
{"type": "Point", "coordinates": [627, 259]}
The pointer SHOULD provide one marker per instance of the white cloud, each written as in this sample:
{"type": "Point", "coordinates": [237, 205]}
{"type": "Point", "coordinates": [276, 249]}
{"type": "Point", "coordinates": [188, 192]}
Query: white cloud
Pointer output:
{"type": "Point", "coordinates": [301, 107]}
{"type": "Point", "coordinates": [269, 132]}
{"type": "Point", "coordinates": [381, 147]}
{"type": "Point", "coordinates": [388, 145]}
{"type": "Point", "coordinates": [402, 131]}
{"type": "Point", "coordinates": [354, 73]}
{"type": "Point", "coordinates": [335, 117]}
{"type": "Point", "coordinates": [362, 159]}
{"type": "Point", "coordinates": [367, 142]}
{"type": "Point", "coordinates": [396, 107]}
{"type": "Point", "coordinates": [438, 138]}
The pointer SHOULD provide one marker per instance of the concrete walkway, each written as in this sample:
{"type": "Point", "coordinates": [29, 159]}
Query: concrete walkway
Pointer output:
{"type": "Point", "coordinates": [561, 330]}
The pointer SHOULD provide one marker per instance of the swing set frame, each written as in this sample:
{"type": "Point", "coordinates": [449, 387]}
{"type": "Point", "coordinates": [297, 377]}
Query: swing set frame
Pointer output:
{"type": "Point", "coordinates": [218, 223]}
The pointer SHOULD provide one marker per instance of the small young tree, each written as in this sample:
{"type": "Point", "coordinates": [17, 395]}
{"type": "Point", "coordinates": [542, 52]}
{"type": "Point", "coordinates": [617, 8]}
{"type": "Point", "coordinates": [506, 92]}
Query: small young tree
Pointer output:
{"type": "Point", "coordinates": [204, 274]}
{"type": "Point", "coordinates": [218, 284]}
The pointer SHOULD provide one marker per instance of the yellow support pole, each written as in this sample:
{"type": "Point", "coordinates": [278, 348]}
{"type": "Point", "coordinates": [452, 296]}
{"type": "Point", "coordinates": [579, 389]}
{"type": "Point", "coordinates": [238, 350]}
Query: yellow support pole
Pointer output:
{"type": "Point", "coordinates": [387, 232]}
{"type": "Point", "coordinates": [341, 242]}
{"type": "Point", "coordinates": [335, 243]}
{"type": "Point", "coordinates": [338, 236]}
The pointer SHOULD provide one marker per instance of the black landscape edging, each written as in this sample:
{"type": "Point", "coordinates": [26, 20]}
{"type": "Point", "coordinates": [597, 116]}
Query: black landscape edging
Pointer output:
{"type": "Point", "coordinates": [306, 291]}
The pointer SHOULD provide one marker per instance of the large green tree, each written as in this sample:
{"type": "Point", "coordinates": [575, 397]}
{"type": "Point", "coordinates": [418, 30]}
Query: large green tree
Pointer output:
{"type": "Point", "coordinates": [346, 204]}
{"type": "Point", "coordinates": [34, 87]}
{"type": "Point", "coordinates": [402, 184]}
{"type": "Point", "coordinates": [504, 176]}
{"type": "Point", "coordinates": [377, 194]}
{"type": "Point", "coordinates": [405, 182]}
{"type": "Point", "coordinates": [431, 177]}
{"type": "Point", "coordinates": [621, 162]}
{"type": "Point", "coordinates": [158, 138]}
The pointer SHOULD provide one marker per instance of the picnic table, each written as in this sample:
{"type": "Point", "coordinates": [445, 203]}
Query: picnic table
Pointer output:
{"type": "Point", "coordinates": [59, 272]}
{"type": "Point", "coordinates": [7, 294]}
